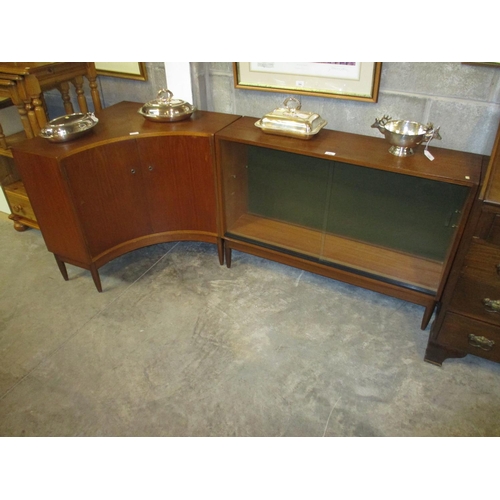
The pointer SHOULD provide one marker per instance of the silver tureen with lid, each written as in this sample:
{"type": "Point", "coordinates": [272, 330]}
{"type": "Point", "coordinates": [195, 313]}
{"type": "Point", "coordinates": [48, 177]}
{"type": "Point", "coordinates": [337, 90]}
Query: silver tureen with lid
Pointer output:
{"type": "Point", "coordinates": [290, 121]}
{"type": "Point", "coordinates": [166, 109]}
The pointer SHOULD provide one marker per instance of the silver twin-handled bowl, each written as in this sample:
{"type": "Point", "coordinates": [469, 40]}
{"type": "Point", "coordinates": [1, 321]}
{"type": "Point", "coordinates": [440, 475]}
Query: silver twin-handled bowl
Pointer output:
{"type": "Point", "coordinates": [403, 135]}
{"type": "Point", "coordinates": [68, 127]}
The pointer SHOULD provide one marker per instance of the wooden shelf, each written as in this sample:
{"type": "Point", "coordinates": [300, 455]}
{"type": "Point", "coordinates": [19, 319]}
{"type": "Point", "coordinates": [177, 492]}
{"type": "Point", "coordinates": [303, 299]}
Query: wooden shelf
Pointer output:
{"type": "Point", "coordinates": [449, 166]}
{"type": "Point", "coordinates": [410, 270]}
{"type": "Point", "coordinates": [11, 140]}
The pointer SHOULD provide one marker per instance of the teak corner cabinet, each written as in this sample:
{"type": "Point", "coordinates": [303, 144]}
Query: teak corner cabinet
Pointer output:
{"type": "Point", "coordinates": [129, 183]}
{"type": "Point", "coordinates": [339, 205]}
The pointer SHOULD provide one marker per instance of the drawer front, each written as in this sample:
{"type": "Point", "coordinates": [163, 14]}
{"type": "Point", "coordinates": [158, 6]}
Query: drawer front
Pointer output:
{"type": "Point", "coordinates": [488, 227]}
{"type": "Point", "coordinates": [483, 262]}
{"type": "Point", "coordinates": [19, 204]}
{"type": "Point", "coordinates": [478, 299]}
{"type": "Point", "coordinates": [474, 337]}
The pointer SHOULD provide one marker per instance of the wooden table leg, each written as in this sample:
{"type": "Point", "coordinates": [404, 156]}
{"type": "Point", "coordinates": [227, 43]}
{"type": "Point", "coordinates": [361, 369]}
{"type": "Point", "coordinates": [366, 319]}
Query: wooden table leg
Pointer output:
{"type": "Point", "coordinates": [3, 141]}
{"type": "Point", "coordinates": [94, 91]}
{"type": "Point", "coordinates": [34, 104]}
{"type": "Point", "coordinates": [80, 94]}
{"type": "Point", "coordinates": [63, 88]}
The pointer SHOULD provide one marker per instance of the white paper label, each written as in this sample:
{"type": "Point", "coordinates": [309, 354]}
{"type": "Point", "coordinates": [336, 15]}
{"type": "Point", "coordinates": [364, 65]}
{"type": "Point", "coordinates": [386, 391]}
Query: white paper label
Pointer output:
{"type": "Point", "coordinates": [428, 154]}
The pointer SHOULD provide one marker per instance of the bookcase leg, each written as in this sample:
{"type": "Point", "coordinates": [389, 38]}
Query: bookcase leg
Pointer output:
{"type": "Point", "coordinates": [227, 252]}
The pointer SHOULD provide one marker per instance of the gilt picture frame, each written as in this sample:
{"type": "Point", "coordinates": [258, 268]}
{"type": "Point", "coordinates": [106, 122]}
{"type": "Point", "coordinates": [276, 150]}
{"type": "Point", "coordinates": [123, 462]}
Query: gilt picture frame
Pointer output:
{"type": "Point", "coordinates": [129, 70]}
{"type": "Point", "coordinates": [359, 81]}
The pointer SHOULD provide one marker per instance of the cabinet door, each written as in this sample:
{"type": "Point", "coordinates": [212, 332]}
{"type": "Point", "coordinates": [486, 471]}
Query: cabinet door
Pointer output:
{"type": "Point", "coordinates": [180, 183]}
{"type": "Point", "coordinates": [107, 187]}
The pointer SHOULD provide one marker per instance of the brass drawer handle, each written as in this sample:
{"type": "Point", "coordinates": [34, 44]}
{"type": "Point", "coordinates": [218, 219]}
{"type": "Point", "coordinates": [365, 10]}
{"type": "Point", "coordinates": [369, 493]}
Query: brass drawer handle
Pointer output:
{"type": "Point", "coordinates": [491, 305]}
{"type": "Point", "coordinates": [481, 342]}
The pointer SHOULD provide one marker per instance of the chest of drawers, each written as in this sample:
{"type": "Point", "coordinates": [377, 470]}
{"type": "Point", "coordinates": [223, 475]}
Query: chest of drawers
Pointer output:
{"type": "Point", "coordinates": [468, 319]}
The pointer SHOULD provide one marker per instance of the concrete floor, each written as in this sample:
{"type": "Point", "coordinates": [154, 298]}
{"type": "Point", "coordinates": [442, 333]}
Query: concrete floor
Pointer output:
{"type": "Point", "coordinates": [178, 345]}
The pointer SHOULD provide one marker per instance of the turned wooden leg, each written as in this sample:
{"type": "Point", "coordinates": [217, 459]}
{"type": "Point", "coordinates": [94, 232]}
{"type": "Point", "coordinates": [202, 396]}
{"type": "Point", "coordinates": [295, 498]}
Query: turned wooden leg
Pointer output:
{"type": "Point", "coordinates": [95, 276]}
{"type": "Point", "coordinates": [21, 109]}
{"type": "Point", "coordinates": [227, 252]}
{"type": "Point", "coordinates": [436, 353]}
{"type": "Point", "coordinates": [220, 250]}
{"type": "Point", "coordinates": [62, 267]}
{"type": "Point", "coordinates": [80, 94]}
{"type": "Point", "coordinates": [63, 88]}
{"type": "Point", "coordinates": [94, 91]}
{"type": "Point", "coordinates": [34, 106]}
{"type": "Point", "coordinates": [18, 226]}
{"type": "Point", "coordinates": [3, 141]}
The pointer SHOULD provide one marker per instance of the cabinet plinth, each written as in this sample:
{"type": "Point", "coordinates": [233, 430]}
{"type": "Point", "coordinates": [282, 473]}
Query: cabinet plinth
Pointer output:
{"type": "Point", "coordinates": [127, 184]}
{"type": "Point", "coordinates": [342, 206]}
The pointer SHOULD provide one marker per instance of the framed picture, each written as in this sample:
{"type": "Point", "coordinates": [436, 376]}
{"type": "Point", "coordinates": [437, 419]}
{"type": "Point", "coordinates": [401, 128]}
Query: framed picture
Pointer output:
{"type": "Point", "coordinates": [358, 81]}
{"type": "Point", "coordinates": [131, 70]}
{"type": "Point", "coordinates": [493, 64]}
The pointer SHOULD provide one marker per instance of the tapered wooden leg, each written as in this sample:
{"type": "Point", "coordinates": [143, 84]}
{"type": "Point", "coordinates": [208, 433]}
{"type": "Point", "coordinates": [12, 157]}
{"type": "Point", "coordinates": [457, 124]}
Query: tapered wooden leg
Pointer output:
{"type": "Point", "coordinates": [62, 267]}
{"type": "Point", "coordinates": [95, 277]}
{"type": "Point", "coordinates": [220, 250]}
{"type": "Point", "coordinates": [227, 253]}
{"type": "Point", "coordinates": [427, 315]}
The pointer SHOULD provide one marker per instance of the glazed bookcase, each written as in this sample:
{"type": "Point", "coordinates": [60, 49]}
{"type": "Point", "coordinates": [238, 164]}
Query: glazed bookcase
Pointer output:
{"type": "Point", "coordinates": [342, 206]}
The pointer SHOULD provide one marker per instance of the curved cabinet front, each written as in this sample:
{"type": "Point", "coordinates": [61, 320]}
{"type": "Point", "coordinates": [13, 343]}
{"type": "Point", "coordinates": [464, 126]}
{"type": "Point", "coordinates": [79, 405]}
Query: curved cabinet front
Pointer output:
{"type": "Point", "coordinates": [131, 184]}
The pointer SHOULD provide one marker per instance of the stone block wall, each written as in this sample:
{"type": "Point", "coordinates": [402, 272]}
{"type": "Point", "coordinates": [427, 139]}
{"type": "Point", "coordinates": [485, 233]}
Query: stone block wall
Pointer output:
{"type": "Point", "coordinates": [463, 99]}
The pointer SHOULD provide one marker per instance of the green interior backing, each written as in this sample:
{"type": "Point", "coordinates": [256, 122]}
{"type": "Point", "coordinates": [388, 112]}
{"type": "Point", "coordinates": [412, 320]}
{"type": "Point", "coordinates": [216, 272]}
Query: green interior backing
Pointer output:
{"type": "Point", "coordinates": [396, 211]}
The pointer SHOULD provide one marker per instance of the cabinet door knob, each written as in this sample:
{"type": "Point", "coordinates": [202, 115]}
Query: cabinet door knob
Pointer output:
{"type": "Point", "coordinates": [150, 168]}
{"type": "Point", "coordinates": [491, 305]}
{"type": "Point", "coordinates": [132, 170]}
{"type": "Point", "coordinates": [481, 342]}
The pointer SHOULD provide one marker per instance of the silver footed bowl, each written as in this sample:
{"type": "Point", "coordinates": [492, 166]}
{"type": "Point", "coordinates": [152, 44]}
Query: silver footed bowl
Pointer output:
{"type": "Point", "coordinates": [68, 127]}
{"type": "Point", "coordinates": [403, 135]}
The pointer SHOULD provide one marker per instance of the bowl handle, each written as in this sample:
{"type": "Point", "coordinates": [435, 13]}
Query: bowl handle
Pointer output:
{"type": "Point", "coordinates": [380, 124]}
{"type": "Point", "coordinates": [432, 133]}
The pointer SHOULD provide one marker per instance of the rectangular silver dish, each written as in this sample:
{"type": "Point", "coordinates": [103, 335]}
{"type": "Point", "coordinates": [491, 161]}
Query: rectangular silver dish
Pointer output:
{"type": "Point", "coordinates": [291, 122]}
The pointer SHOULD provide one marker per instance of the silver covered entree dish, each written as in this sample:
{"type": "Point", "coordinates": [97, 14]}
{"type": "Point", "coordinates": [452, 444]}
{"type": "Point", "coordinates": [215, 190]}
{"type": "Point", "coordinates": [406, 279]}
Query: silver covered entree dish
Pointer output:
{"type": "Point", "coordinates": [166, 109]}
{"type": "Point", "coordinates": [291, 122]}
{"type": "Point", "coordinates": [68, 127]}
